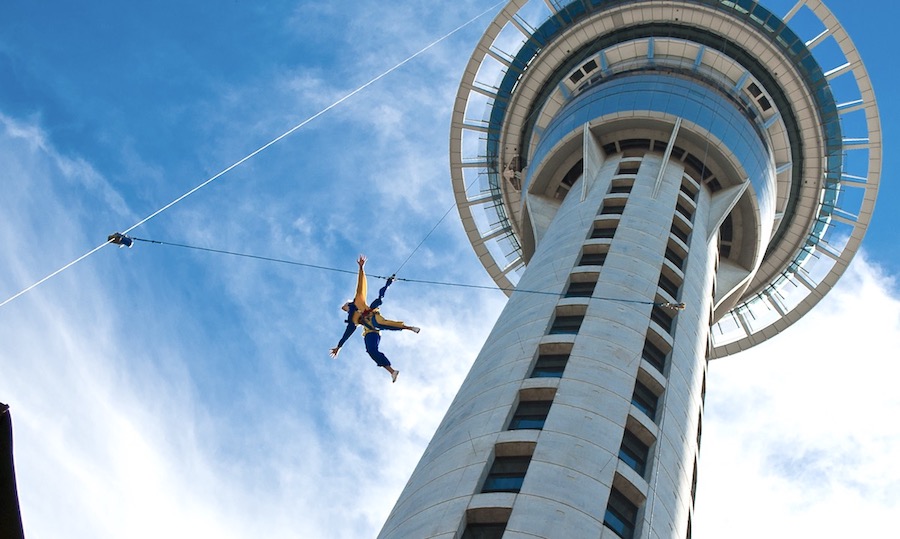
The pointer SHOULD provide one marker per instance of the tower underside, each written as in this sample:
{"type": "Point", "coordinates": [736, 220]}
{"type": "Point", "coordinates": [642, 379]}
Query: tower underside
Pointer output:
{"type": "Point", "coordinates": [635, 155]}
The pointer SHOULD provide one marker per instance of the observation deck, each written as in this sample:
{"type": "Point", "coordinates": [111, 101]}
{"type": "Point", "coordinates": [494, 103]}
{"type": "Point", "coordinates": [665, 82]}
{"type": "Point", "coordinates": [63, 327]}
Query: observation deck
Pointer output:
{"type": "Point", "coordinates": [779, 112]}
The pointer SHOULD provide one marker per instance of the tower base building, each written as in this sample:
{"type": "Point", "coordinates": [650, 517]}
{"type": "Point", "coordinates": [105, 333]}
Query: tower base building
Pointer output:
{"type": "Point", "coordinates": [634, 156]}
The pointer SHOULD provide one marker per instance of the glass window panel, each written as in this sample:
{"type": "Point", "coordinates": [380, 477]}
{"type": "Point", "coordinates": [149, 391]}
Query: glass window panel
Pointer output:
{"type": "Point", "coordinates": [644, 399]}
{"type": "Point", "coordinates": [507, 474]}
{"type": "Point", "coordinates": [634, 452]}
{"type": "Point", "coordinates": [592, 259]}
{"type": "Point", "coordinates": [530, 415]}
{"type": "Point", "coordinates": [484, 531]}
{"type": "Point", "coordinates": [550, 366]}
{"type": "Point", "coordinates": [654, 355]}
{"type": "Point", "coordinates": [580, 289]}
{"type": "Point", "coordinates": [621, 515]}
{"type": "Point", "coordinates": [566, 325]}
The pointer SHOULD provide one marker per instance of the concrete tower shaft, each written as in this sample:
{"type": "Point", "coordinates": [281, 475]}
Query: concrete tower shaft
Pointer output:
{"type": "Point", "coordinates": [631, 374]}
{"type": "Point", "coordinates": [633, 154]}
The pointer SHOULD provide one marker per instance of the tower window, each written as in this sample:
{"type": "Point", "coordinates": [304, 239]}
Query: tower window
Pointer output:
{"type": "Point", "coordinates": [621, 515]}
{"type": "Point", "coordinates": [654, 355]}
{"type": "Point", "coordinates": [604, 230]}
{"type": "Point", "coordinates": [699, 430]}
{"type": "Point", "coordinates": [550, 366]}
{"type": "Point", "coordinates": [668, 285]}
{"type": "Point", "coordinates": [683, 210]}
{"type": "Point", "coordinates": [644, 399]}
{"type": "Point", "coordinates": [582, 289]}
{"type": "Point", "coordinates": [484, 531]}
{"type": "Point", "coordinates": [634, 452]}
{"type": "Point", "coordinates": [674, 258]}
{"type": "Point", "coordinates": [620, 187]}
{"type": "Point", "coordinates": [678, 233]}
{"type": "Point", "coordinates": [688, 190]}
{"type": "Point", "coordinates": [613, 208]}
{"type": "Point", "coordinates": [662, 317]}
{"type": "Point", "coordinates": [694, 483]}
{"type": "Point", "coordinates": [530, 415]}
{"type": "Point", "coordinates": [566, 325]}
{"type": "Point", "coordinates": [592, 259]}
{"type": "Point", "coordinates": [507, 474]}
{"type": "Point", "coordinates": [486, 522]}
{"type": "Point", "coordinates": [629, 167]}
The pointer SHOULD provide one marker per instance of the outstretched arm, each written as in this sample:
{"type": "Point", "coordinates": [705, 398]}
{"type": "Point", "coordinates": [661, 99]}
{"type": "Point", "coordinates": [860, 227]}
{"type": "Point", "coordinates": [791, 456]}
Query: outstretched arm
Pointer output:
{"type": "Point", "coordinates": [347, 332]}
{"type": "Point", "coordinates": [361, 289]}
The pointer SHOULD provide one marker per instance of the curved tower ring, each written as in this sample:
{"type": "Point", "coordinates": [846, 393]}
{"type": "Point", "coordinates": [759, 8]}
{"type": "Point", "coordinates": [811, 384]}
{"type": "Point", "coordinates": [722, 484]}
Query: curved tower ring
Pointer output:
{"type": "Point", "coordinates": [633, 154]}
{"type": "Point", "coordinates": [524, 69]}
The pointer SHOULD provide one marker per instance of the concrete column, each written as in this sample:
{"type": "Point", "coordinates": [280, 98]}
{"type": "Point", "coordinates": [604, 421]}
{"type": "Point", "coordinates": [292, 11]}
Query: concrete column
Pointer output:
{"type": "Point", "coordinates": [575, 462]}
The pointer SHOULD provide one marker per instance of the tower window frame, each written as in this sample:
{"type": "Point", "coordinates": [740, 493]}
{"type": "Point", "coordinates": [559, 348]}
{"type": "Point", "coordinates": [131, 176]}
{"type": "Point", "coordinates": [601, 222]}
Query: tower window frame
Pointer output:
{"type": "Point", "coordinates": [634, 452]}
{"type": "Point", "coordinates": [663, 318]}
{"type": "Point", "coordinates": [484, 531]}
{"type": "Point", "coordinates": [621, 186]}
{"type": "Point", "coordinates": [613, 207]}
{"type": "Point", "coordinates": [645, 399]}
{"type": "Point", "coordinates": [672, 255]}
{"type": "Point", "coordinates": [685, 212]}
{"type": "Point", "coordinates": [604, 230]}
{"type": "Point", "coordinates": [668, 286]}
{"type": "Point", "coordinates": [549, 366]}
{"type": "Point", "coordinates": [530, 415]}
{"type": "Point", "coordinates": [486, 522]}
{"type": "Point", "coordinates": [581, 288]}
{"type": "Point", "coordinates": [678, 233]}
{"type": "Point", "coordinates": [507, 474]}
{"type": "Point", "coordinates": [656, 351]}
{"type": "Point", "coordinates": [566, 325]}
{"type": "Point", "coordinates": [621, 514]}
{"type": "Point", "coordinates": [594, 254]}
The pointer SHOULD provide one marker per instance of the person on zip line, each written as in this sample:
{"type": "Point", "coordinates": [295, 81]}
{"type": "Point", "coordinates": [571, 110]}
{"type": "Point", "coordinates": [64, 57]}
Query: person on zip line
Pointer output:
{"type": "Point", "coordinates": [369, 317]}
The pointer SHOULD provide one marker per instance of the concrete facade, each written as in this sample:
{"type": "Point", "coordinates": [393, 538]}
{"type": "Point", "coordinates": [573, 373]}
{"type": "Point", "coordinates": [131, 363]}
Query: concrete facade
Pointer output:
{"type": "Point", "coordinates": [639, 155]}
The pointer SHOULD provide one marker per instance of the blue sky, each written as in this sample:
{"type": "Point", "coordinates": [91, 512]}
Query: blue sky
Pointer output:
{"type": "Point", "coordinates": [165, 392]}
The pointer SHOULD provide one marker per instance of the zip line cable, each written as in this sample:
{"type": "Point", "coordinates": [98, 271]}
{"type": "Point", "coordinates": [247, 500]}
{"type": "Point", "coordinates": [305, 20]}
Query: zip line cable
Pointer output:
{"type": "Point", "coordinates": [311, 118]}
{"type": "Point", "coordinates": [55, 273]}
{"type": "Point", "coordinates": [257, 151]}
{"type": "Point", "coordinates": [430, 232]}
{"type": "Point", "coordinates": [441, 220]}
{"type": "Point", "coordinates": [672, 306]}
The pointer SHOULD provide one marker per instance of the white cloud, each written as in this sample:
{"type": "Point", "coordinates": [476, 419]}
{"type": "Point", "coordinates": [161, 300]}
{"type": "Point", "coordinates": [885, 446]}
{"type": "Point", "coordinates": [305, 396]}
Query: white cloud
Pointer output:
{"type": "Point", "coordinates": [800, 433]}
{"type": "Point", "coordinates": [155, 407]}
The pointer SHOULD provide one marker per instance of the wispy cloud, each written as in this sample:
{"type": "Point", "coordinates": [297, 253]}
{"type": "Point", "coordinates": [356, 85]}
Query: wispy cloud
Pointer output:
{"type": "Point", "coordinates": [802, 427]}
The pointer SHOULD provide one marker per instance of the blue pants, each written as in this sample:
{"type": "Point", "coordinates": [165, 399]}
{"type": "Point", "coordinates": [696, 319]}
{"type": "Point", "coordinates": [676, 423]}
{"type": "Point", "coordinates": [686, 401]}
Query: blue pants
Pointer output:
{"type": "Point", "coordinates": [372, 339]}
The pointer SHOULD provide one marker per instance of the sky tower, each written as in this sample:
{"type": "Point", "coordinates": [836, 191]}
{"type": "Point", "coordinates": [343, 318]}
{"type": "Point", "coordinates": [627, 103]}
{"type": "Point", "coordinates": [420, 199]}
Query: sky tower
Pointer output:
{"type": "Point", "coordinates": [632, 154]}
